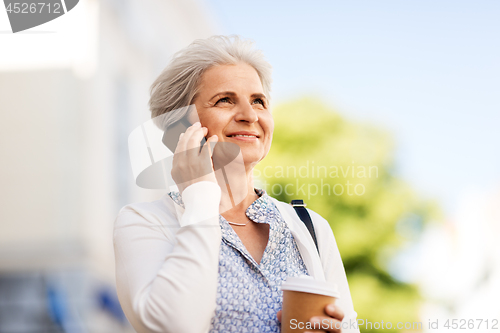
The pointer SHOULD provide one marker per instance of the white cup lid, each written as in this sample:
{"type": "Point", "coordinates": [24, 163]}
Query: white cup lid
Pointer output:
{"type": "Point", "coordinates": [307, 284]}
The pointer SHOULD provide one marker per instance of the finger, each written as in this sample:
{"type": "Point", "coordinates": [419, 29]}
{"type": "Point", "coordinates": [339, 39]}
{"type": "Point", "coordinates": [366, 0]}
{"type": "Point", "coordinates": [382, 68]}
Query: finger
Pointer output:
{"type": "Point", "coordinates": [210, 145]}
{"type": "Point", "coordinates": [334, 311]}
{"type": "Point", "coordinates": [184, 139]}
{"type": "Point", "coordinates": [326, 324]}
{"type": "Point", "coordinates": [193, 145]}
{"type": "Point", "coordinates": [182, 145]}
{"type": "Point", "coordinates": [194, 137]}
{"type": "Point", "coordinates": [279, 316]}
{"type": "Point", "coordinates": [207, 152]}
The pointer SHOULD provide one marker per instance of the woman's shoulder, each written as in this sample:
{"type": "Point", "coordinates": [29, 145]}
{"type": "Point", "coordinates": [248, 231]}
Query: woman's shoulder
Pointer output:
{"type": "Point", "coordinates": [317, 219]}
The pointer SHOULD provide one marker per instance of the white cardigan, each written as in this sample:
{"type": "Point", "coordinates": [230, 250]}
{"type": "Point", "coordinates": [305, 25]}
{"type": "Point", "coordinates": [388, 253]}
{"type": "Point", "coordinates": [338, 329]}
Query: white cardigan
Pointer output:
{"type": "Point", "coordinates": [167, 260]}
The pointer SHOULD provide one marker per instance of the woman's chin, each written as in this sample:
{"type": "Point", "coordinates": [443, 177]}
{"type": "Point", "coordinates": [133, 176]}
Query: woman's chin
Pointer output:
{"type": "Point", "coordinates": [251, 159]}
{"type": "Point", "coordinates": [231, 152]}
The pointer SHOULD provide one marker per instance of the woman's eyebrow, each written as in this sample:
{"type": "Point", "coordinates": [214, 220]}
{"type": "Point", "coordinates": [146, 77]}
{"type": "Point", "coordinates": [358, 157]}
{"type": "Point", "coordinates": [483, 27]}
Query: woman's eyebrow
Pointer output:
{"type": "Point", "coordinates": [226, 93]}
{"type": "Point", "coordinates": [233, 94]}
{"type": "Point", "coordinates": [258, 95]}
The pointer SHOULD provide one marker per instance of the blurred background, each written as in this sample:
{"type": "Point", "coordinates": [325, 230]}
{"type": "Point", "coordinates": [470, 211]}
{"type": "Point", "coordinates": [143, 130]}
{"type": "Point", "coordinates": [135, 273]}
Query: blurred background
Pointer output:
{"type": "Point", "coordinates": [406, 90]}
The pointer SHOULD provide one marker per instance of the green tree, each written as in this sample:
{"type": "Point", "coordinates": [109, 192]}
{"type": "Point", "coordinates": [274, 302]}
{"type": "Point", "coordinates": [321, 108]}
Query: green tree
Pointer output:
{"type": "Point", "coordinates": [345, 172]}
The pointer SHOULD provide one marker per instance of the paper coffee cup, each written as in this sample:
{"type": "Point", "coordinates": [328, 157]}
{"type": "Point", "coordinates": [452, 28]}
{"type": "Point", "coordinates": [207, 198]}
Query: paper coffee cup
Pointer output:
{"type": "Point", "coordinates": [303, 298]}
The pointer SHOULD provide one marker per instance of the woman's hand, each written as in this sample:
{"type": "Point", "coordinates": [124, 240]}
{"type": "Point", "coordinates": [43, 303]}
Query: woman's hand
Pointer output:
{"type": "Point", "coordinates": [189, 165]}
{"type": "Point", "coordinates": [332, 323]}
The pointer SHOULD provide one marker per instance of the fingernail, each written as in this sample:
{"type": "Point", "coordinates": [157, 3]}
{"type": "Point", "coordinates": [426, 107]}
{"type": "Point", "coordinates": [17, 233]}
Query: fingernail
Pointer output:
{"type": "Point", "coordinates": [197, 124]}
{"type": "Point", "coordinates": [331, 308]}
{"type": "Point", "coordinates": [315, 320]}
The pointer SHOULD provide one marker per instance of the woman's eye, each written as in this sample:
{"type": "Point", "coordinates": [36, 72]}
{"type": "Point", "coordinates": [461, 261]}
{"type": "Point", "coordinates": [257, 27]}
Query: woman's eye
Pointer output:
{"type": "Point", "coordinates": [223, 100]}
{"type": "Point", "coordinates": [260, 101]}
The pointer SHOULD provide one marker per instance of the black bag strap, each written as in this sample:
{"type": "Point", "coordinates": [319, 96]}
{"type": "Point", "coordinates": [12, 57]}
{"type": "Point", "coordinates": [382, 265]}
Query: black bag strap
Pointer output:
{"type": "Point", "coordinates": [300, 208]}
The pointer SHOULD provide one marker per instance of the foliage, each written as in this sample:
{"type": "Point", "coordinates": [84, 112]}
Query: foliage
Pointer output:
{"type": "Point", "coordinates": [367, 206]}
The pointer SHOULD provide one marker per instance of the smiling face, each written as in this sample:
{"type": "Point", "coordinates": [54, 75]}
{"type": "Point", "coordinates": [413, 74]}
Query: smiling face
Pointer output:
{"type": "Point", "coordinates": [231, 104]}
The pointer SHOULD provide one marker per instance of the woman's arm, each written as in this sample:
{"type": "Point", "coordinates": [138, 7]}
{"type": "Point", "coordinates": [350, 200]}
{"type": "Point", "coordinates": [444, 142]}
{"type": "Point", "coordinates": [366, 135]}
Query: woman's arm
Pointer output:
{"type": "Point", "coordinates": [167, 280]}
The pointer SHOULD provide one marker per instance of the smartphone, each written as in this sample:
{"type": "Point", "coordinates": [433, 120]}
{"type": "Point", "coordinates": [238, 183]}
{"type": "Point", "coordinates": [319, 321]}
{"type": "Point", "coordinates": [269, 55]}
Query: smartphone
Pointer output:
{"type": "Point", "coordinates": [174, 130]}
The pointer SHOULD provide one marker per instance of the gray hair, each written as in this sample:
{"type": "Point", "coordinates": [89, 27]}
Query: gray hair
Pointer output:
{"type": "Point", "coordinates": [178, 84]}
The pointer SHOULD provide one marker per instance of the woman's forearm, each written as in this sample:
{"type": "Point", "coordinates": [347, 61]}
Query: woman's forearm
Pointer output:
{"type": "Point", "coordinates": [167, 281]}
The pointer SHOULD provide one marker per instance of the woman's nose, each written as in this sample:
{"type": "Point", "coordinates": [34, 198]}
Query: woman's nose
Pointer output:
{"type": "Point", "coordinates": [246, 113]}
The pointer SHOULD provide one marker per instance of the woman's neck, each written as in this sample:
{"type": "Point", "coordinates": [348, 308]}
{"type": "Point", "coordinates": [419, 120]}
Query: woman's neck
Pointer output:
{"type": "Point", "coordinates": [239, 194]}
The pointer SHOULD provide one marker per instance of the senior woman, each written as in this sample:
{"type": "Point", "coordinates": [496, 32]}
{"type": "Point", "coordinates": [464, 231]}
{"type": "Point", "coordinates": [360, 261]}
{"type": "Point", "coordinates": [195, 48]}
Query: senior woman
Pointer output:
{"type": "Point", "coordinates": [186, 264]}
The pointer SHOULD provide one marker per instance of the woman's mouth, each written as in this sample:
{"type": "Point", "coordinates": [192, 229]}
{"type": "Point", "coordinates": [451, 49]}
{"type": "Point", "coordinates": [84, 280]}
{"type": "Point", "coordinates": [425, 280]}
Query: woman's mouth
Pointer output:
{"type": "Point", "coordinates": [244, 136]}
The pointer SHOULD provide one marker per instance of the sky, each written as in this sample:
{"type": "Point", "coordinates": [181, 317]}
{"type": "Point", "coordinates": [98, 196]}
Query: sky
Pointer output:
{"type": "Point", "coordinates": [426, 71]}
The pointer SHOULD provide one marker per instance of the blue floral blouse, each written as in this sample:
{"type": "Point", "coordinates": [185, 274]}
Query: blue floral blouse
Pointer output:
{"type": "Point", "coordinates": [248, 294]}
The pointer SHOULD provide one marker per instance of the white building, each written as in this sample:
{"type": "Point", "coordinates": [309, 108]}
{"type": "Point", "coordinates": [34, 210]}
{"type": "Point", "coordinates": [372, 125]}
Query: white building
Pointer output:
{"type": "Point", "coordinates": [71, 91]}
